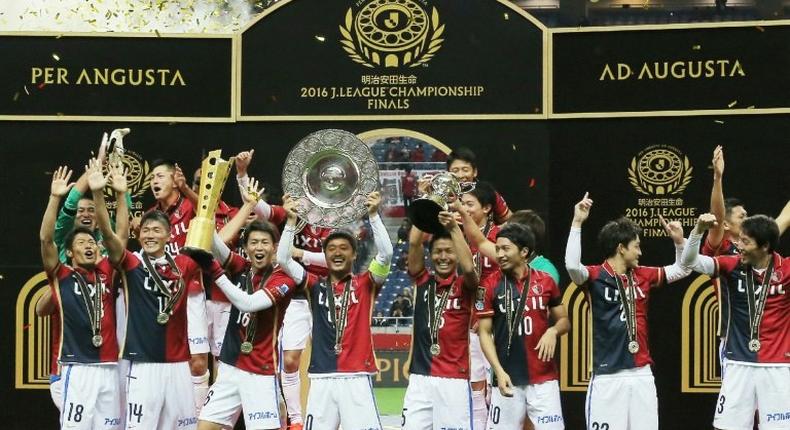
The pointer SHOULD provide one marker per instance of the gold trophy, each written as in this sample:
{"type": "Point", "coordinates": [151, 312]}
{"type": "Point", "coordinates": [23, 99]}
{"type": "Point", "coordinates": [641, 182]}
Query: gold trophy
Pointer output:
{"type": "Point", "coordinates": [213, 175]}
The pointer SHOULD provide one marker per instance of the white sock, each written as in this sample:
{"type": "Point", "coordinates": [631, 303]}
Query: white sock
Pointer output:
{"type": "Point", "coordinates": [479, 409]}
{"type": "Point", "coordinates": [200, 385]}
{"type": "Point", "coordinates": [293, 399]}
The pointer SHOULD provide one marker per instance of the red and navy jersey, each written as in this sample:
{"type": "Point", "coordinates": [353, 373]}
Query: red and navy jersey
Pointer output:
{"type": "Point", "coordinates": [147, 340]}
{"type": "Point", "coordinates": [775, 325]}
{"type": "Point", "coordinates": [610, 334]}
{"type": "Point", "coordinates": [453, 358]}
{"type": "Point", "coordinates": [486, 265]}
{"type": "Point", "coordinates": [76, 335]}
{"type": "Point", "coordinates": [522, 364]}
{"type": "Point", "coordinates": [263, 358]}
{"type": "Point", "coordinates": [357, 343]}
{"type": "Point", "coordinates": [726, 247]}
{"type": "Point", "coordinates": [310, 238]}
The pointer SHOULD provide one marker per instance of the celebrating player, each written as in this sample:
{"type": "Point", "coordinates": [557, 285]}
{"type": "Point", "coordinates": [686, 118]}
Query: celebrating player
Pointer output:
{"type": "Point", "coordinates": [622, 392]}
{"type": "Point", "coordinates": [438, 394]}
{"type": "Point", "coordinates": [462, 163]}
{"type": "Point", "coordinates": [84, 294]}
{"type": "Point", "coordinates": [757, 340]}
{"type": "Point", "coordinates": [517, 338]}
{"type": "Point", "coordinates": [342, 358]}
{"type": "Point", "coordinates": [248, 362]}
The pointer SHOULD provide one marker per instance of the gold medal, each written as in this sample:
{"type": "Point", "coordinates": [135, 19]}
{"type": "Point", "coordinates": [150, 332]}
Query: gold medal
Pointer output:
{"type": "Point", "coordinates": [754, 345]}
{"type": "Point", "coordinates": [162, 318]}
{"type": "Point", "coordinates": [246, 347]}
{"type": "Point", "coordinates": [633, 347]}
{"type": "Point", "coordinates": [96, 340]}
{"type": "Point", "coordinates": [435, 349]}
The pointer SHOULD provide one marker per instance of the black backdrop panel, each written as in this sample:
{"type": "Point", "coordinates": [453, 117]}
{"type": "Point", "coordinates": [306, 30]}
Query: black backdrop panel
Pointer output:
{"type": "Point", "coordinates": [671, 69]}
{"type": "Point", "coordinates": [116, 76]}
{"type": "Point", "coordinates": [310, 73]}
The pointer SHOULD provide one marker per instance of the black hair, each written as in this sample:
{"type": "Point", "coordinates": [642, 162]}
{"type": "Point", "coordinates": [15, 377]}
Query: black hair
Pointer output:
{"type": "Point", "coordinates": [520, 235]}
{"type": "Point", "coordinates": [763, 229]}
{"type": "Point", "coordinates": [171, 164]}
{"type": "Point", "coordinates": [531, 219]}
{"type": "Point", "coordinates": [618, 232]}
{"type": "Point", "coordinates": [263, 227]}
{"type": "Point", "coordinates": [155, 215]}
{"type": "Point", "coordinates": [463, 154]}
{"type": "Point", "coordinates": [68, 241]}
{"type": "Point", "coordinates": [731, 203]}
{"type": "Point", "coordinates": [341, 233]}
{"type": "Point", "coordinates": [439, 236]}
{"type": "Point", "coordinates": [485, 193]}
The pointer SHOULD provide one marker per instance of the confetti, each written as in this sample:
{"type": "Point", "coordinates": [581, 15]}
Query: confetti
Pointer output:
{"type": "Point", "coordinates": [320, 38]}
{"type": "Point", "coordinates": [696, 47]}
{"type": "Point", "coordinates": [760, 29]}
{"type": "Point", "coordinates": [56, 56]}
{"type": "Point", "coordinates": [718, 121]}
{"type": "Point", "coordinates": [26, 91]}
{"type": "Point", "coordinates": [16, 96]}
{"type": "Point", "coordinates": [732, 103]}
{"type": "Point", "coordinates": [507, 17]}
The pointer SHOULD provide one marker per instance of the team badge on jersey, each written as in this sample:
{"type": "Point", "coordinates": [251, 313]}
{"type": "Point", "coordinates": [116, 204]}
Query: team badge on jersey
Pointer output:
{"type": "Point", "coordinates": [537, 289]}
{"type": "Point", "coordinates": [480, 298]}
{"type": "Point", "coordinates": [283, 289]}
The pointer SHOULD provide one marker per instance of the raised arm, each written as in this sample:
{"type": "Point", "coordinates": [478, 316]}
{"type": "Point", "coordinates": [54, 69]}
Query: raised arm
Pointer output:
{"type": "Point", "coordinates": [690, 257]}
{"type": "Point", "coordinates": [573, 250]}
{"type": "Point", "coordinates": [677, 270]}
{"type": "Point", "coordinates": [415, 261]}
{"type": "Point", "coordinates": [716, 234]}
{"type": "Point", "coordinates": [242, 161]}
{"type": "Point", "coordinates": [783, 220]}
{"type": "Point", "coordinates": [465, 260]}
{"type": "Point", "coordinates": [284, 259]}
{"type": "Point", "coordinates": [474, 235]}
{"type": "Point", "coordinates": [251, 195]}
{"type": "Point", "coordinates": [97, 181]}
{"type": "Point", "coordinates": [379, 267]}
{"type": "Point", "coordinates": [59, 188]}
{"type": "Point", "coordinates": [243, 301]}
{"type": "Point", "coordinates": [181, 183]}
{"type": "Point", "coordinates": [45, 305]}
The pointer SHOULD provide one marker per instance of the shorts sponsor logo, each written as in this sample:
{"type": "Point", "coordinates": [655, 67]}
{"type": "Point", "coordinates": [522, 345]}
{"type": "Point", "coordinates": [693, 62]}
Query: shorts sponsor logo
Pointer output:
{"type": "Point", "coordinates": [260, 415]}
{"type": "Point", "coordinates": [198, 340]}
{"type": "Point", "coordinates": [778, 416]}
{"type": "Point", "coordinates": [185, 422]}
{"type": "Point", "coordinates": [546, 419]}
{"type": "Point", "coordinates": [112, 421]}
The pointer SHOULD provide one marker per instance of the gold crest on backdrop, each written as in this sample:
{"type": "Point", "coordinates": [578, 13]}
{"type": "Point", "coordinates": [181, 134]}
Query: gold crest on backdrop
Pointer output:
{"type": "Point", "coordinates": [391, 33]}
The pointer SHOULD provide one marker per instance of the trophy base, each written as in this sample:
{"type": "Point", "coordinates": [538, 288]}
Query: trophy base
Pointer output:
{"type": "Point", "coordinates": [201, 256]}
{"type": "Point", "coordinates": [424, 214]}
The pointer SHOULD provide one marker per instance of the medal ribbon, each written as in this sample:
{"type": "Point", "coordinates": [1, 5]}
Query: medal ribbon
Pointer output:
{"type": "Point", "coordinates": [435, 316]}
{"type": "Point", "coordinates": [94, 305]}
{"type": "Point", "coordinates": [757, 306]}
{"type": "Point", "coordinates": [340, 324]}
{"type": "Point", "coordinates": [174, 296]}
{"type": "Point", "coordinates": [513, 319]}
{"type": "Point", "coordinates": [252, 326]}
{"type": "Point", "coordinates": [628, 300]}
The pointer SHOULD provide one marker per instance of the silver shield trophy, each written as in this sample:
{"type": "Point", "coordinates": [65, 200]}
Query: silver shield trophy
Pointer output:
{"type": "Point", "coordinates": [443, 189]}
{"type": "Point", "coordinates": [330, 173]}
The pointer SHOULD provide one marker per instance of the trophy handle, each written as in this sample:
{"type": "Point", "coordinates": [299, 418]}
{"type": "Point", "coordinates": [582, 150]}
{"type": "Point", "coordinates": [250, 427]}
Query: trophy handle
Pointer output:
{"type": "Point", "coordinates": [466, 187]}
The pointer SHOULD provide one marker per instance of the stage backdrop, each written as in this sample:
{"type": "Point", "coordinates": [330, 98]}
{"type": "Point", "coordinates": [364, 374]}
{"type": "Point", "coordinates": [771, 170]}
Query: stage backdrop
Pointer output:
{"type": "Point", "coordinates": [453, 74]}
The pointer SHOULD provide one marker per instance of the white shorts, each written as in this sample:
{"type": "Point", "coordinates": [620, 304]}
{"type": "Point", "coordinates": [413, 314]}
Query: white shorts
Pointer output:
{"type": "Point", "coordinates": [237, 390]}
{"type": "Point", "coordinates": [434, 402]}
{"type": "Point", "coordinates": [90, 397]}
{"type": "Point", "coordinates": [624, 399]}
{"type": "Point", "coordinates": [479, 364]}
{"type": "Point", "coordinates": [297, 325]}
{"type": "Point", "coordinates": [748, 388]}
{"type": "Point", "coordinates": [197, 324]}
{"type": "Point", "coordinates": [218, 314]}
{"type": "Point", "coordinates": [56, 391]}
{"type": "Point", "coordinates": [160, 396]}
{"type": "Point", "coordinates": [541, 402]}
{"type": "Point", "coordinates": [347, 401]}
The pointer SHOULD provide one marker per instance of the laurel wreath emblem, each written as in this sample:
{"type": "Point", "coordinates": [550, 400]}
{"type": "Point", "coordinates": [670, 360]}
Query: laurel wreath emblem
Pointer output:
{"type": "Point", "coordinates": [643, 186]}
{"type": "Point", "coordinates": [349, 45]}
